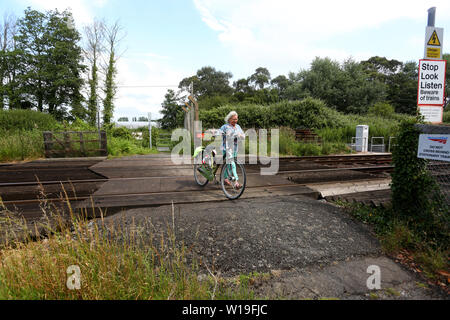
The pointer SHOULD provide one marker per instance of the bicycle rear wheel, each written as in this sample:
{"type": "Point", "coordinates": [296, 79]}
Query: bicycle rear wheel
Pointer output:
{"type": "Point", "coordinates": [236, 187]}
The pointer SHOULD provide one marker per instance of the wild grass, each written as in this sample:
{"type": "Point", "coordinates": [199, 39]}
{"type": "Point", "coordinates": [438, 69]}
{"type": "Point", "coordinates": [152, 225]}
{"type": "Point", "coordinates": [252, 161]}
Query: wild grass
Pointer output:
{"type": "Point", "coordinates": [21, 145]}
{"type": "Point", "coordinates": [115, 261]}
{"type": "Point", "coordinates": [290, 146]}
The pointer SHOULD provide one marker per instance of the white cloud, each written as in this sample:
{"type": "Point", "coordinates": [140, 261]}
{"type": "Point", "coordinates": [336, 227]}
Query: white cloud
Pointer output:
{"type": "Point", "coordinates": [292, 32]}
{"type": "Point", "coordinates": [82, 10]}
{"type": "Point", "coordinates": [144, 80]}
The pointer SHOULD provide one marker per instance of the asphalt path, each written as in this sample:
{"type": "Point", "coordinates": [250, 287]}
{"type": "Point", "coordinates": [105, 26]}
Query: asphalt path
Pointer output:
{"type": "Point", "coordinates": [309, 249]}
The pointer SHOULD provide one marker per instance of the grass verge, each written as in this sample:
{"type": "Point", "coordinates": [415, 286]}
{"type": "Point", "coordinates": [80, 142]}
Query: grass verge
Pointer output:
{"type": "Point", "coordinates": [91, 260]}
{"type": "Point", "coordinates": [399, 241]}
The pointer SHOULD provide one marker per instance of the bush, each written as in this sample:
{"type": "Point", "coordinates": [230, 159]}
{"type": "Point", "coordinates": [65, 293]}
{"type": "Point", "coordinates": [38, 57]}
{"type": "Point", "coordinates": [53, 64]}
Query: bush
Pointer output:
{"type": "Point", "coordinates": [446, 118]}
{"type": "Point", "coordinates": [28, 120]}
{"type": "Point", "coordinates": [120, 132]}
{"type": "Point", "coordinates": [309, 113]}
{"type": "Point", "coordinates": [382, 109]}
{"type": "Point", "coordinates": [416, 197]}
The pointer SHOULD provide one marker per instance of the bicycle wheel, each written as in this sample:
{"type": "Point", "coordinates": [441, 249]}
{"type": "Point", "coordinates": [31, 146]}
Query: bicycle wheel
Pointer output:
{"type": "Point", "coordinates": [233, 191]}
{"type": "Point", "coordinates": [199, 178]}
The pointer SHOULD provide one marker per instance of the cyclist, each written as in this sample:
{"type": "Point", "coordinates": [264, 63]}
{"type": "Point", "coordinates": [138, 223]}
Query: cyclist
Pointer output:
{"type": "Point", "coordinates": [232, 132]}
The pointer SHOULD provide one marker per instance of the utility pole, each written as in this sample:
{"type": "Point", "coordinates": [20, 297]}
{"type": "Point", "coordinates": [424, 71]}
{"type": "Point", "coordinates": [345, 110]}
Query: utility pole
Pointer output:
{"type": "Point", "coordinates": [431, 16]}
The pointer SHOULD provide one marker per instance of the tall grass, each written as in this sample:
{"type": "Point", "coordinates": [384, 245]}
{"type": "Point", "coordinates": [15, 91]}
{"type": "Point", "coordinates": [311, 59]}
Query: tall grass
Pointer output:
{"type": "Point", "coordinates": [290, 146]}
{"type": "Point", "coordinates": [21, 145]}
{"type": "Point", "coordinates": [115, 262]}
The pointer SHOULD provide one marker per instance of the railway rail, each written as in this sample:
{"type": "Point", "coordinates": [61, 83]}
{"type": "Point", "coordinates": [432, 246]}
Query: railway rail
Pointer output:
{"type": "Point", "coordinates": [23, 187]}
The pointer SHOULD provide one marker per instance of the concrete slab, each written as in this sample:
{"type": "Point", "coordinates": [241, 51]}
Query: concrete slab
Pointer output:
{"type": "Point", "coordinates": [332, 189]}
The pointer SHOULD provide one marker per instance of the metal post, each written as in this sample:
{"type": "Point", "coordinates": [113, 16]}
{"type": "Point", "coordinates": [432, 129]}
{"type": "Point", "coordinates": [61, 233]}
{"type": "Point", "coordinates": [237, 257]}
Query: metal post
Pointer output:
{"type": "Point", "coordinates": [431, 16]}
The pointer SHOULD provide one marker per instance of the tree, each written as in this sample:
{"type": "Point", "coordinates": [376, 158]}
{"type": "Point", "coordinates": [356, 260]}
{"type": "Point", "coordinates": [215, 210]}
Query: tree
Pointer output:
{"type": "Point", "coordinates": [31, 46]}
{"type": "Point", "coordinates": [93, 50]}
{"type": "Point", "coordinates": [7, 54]}
{"type": "Point", "coordinates": [208, 82]}
{"type": "Point", "coordinates": [381, 68]}
{"type": "Point", "coordinates": [400, 80]}
{"type": "Point", "coordinates": [64, 70]}
{"type": "Point", "coordinates": [49, 61]}
{"type": "Point", "coordinates": [260, 78]}
{"type": "Point", "coordinates": [113, 36]}
{"type": "Point", "coordinates": [347, 88]}
{"type": "Point", "coordinates": [281, 83]}
{"type": "Point", "coordinates": [171, 110]}
{"type": "Point", "coordinates": [402, 88]}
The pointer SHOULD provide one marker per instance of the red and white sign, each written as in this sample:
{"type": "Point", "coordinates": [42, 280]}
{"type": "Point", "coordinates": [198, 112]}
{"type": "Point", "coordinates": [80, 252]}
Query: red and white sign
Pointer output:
{"type": "Point", "coordinates": [431, 88]}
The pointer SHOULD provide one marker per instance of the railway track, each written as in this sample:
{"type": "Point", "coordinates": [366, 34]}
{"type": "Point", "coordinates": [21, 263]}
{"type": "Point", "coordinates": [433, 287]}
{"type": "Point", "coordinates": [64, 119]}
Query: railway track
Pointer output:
{"type": "Point", "coordinates": [130, 183]}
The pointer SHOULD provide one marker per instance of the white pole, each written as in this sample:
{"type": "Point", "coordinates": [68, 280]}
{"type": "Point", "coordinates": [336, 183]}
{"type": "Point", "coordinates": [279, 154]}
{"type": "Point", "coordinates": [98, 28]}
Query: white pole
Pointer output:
{"type": "Point", "coordinates": [150, 128]}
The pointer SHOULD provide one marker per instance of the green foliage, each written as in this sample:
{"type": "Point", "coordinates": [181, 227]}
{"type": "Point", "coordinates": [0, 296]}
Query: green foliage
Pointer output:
{"type": "Point", "coordinates": [310, 113]}
{"type": "Point", "coordinates": [208, 82]}
{"type": "Point", "coordinates": [415, 194]}
{"type": "Point", "coordinates": [120, 132]}
{"type": "Point", "coordinates": [21, 145]}
{"type": "Point", "coordinates": [346, 87]}
{"type": "Point", "coordinates": [446, 118]}
{"type": "Point", "coordinates": [50, 68]}
{"type": "Point", "coordinates": [27, 120]}
{"type": "Point", "coordinates": [382, 109]}
{"type": "Point", "coordinates": [173, 114]}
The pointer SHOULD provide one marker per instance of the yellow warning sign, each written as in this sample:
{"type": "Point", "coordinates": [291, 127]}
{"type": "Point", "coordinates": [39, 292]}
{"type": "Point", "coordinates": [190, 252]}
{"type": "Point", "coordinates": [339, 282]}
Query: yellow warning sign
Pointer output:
{"type": "Point", "coordinates": [434, 53]}
{"type": "Point", "coordinates": [434, 40]}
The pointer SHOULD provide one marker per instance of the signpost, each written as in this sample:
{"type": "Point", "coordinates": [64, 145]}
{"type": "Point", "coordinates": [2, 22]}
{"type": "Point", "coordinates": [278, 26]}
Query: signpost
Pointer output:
{"type": "Point", "coordinates": [431, 86]}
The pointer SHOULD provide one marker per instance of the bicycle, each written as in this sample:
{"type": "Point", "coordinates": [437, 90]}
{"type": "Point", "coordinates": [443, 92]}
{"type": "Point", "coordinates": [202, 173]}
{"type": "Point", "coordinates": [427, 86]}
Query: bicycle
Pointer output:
{"type": "Point", "coordinates": [206, 167]}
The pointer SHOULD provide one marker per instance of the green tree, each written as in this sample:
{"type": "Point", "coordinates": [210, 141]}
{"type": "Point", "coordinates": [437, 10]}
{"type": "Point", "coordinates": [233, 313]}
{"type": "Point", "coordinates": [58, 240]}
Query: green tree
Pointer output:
{"type": "Point", "coordinates": [381, 68]}
{"type": "Point", "coordinates": [93, 50]}
{"type": "Point", "coordinates": [9, 94]}
{"type": "Point", "coordinates": [208, 82]}
{"type": "Point", "coordinates": [49, 68]}
{"type": "Point", "coordinates": [281, 83]}
{"type": "Point", "coordinates": [172, 112]}
{"type": "Point", "coordinates": [114, 36]}
{"type": "Point", "coordinates": [260, 78]}
{"type": "Point", "coordinates": [346, 87]}
{"type": "Point", "coordinates": [402, 88]}
{"type": "Point", "coordinates": [64, 67]}
{"type": "Point", "coordinates": [400, 80]}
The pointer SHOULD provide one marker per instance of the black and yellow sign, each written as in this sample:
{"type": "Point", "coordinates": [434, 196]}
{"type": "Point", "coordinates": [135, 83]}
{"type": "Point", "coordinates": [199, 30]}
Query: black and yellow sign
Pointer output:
{"type": "Point", "coordinates": [434, 53]}
{"type": "Point", "coordinates": [434, 40]}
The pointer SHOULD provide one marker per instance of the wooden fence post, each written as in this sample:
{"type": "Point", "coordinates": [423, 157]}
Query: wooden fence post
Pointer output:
{"type": "Point", "coordinates": [48, 143]}
{"type": "Point", "coordinates": [103, 144]}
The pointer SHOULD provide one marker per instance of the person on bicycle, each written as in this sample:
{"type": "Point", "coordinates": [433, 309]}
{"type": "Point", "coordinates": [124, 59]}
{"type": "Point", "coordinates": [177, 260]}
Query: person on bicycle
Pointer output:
{"type": "Point", "coordinates": [231, 133]}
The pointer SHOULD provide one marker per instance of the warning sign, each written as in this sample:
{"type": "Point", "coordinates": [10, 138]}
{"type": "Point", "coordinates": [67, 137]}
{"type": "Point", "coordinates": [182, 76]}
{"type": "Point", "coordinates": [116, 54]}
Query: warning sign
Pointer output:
{"type": "Point", "coordinates": [431, 86]}
{"type": "Point", "coordinates": [434, 147]}
{"type": "Point", "coordinates": [432, 114]}
{"type": "Point", "coordinates": [434, 53]}
{"type": "Point", "coordinates": [434, 40]}
{"type": "Point", "coordinates": [433, 43]}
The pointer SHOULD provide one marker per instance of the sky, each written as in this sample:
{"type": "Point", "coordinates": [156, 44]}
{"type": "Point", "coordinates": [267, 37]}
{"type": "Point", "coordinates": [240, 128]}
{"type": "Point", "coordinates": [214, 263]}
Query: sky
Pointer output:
{"type": "Point", "coordinates": [168, 40]}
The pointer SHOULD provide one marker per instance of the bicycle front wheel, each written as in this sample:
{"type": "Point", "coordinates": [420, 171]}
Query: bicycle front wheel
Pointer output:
{"type": "Point", "coordinates": [199, 178]}
{"type": "Point", "coordinates": [233, 186]}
